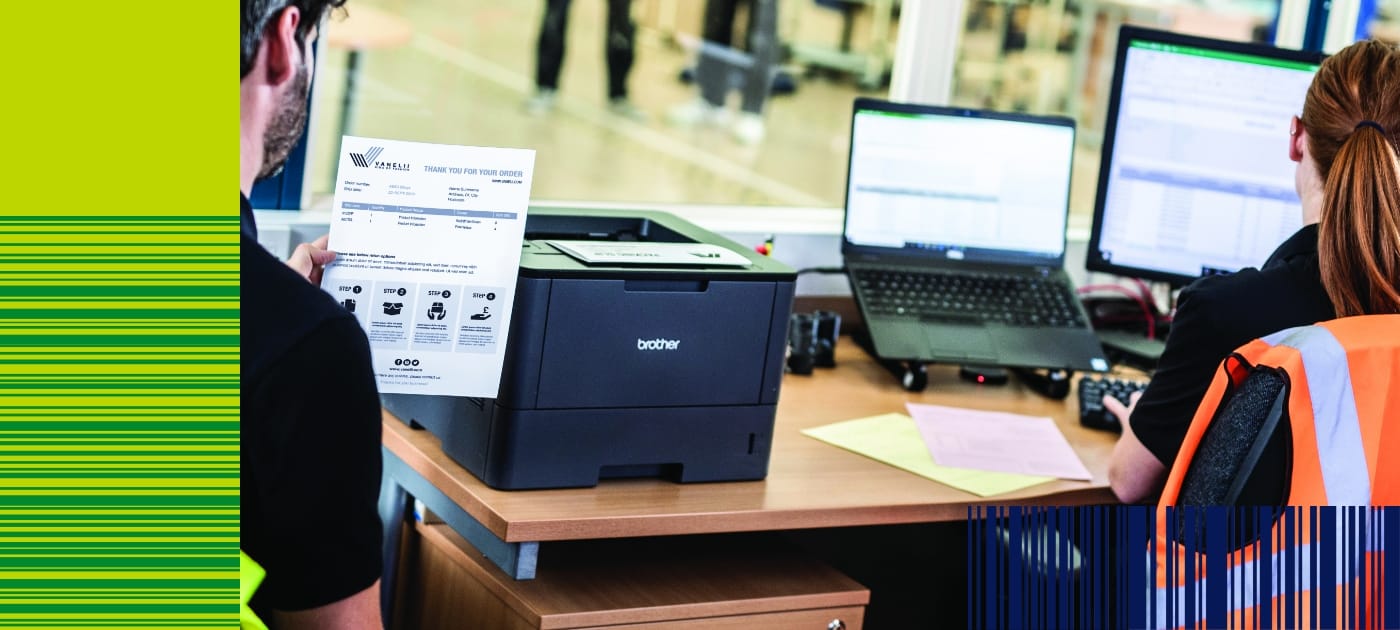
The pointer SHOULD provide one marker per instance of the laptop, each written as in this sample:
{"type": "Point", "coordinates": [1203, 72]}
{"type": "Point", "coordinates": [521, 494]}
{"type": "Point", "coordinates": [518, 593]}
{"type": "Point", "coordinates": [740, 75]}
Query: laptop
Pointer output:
{"type": "Point", "coordinates": [954, 237]}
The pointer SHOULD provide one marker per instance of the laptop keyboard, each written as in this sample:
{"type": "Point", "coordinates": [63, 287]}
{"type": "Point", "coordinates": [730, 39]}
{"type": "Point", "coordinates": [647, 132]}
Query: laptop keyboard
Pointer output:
{"type": "Point", "coordinates": [968, 298]}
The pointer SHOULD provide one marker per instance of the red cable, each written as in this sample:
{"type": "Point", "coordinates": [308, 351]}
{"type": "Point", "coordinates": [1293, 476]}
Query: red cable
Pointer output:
{"type": "Point", "coordinates": [1146, 310]}
{"type": "Point", "coordinates": [1146, 293]}
{"type": "Point", "coordinates": [1152, 301]}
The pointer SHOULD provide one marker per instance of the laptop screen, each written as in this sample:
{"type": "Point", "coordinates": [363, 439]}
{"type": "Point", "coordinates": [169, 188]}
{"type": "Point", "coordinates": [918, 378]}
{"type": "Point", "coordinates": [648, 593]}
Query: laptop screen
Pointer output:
{"type": "Point", "coordinates": [958, 184]}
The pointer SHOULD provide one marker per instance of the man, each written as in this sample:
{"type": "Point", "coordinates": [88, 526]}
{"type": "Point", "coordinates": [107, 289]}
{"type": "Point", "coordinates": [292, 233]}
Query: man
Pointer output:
{"type": "Point", "coordinates": [310, 412]}
{"type": "Point", "coordinates": [620, 39]}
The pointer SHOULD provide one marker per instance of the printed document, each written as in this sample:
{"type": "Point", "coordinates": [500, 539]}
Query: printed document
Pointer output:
{"type": "Point", "coordinates": [893, 439]}
{"type": "Point", "coordinates": [646, 253]}
{"type": "Point", "coordinates": [997, 441]}
{"type": "Point", "coordinates": [428, 237]}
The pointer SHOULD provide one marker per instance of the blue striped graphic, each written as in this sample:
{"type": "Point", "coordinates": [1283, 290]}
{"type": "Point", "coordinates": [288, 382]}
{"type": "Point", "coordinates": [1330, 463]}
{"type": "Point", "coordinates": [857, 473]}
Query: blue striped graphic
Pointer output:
{"type": "Point", "coordinates": [364, 160]}
{"type": "Point", "coordinates": [372, 154]}
{"type": "Point", "coordinates": [1092, 567]}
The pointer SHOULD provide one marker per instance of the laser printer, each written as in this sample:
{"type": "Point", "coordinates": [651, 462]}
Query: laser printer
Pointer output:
{"type": "Point", "coordinates": [624, 369]}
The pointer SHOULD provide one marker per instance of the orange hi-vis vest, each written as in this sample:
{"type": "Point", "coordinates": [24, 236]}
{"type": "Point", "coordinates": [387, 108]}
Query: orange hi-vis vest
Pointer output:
{"type": "Point", "coordinates": [1343, 385]}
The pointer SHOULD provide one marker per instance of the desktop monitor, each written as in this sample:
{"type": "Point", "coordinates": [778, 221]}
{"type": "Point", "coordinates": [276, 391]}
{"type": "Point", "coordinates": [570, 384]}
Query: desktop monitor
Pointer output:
{"type": "Point", "coordinates": [1195, 178]}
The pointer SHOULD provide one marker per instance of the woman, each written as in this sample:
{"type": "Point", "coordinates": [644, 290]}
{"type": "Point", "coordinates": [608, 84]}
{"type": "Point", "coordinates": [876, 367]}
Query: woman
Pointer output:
{"type": "Point", "coordinates": [1344, 261]}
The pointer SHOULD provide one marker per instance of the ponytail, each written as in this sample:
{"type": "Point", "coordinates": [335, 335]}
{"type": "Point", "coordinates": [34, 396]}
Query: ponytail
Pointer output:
{"type": "Point", "coordinates": [1359, 244]}
{"type": "Point", "coordinates": [1352, 115]}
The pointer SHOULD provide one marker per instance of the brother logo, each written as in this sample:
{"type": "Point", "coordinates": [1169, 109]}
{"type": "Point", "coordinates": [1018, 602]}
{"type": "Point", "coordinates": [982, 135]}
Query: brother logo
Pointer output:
{"type": "Point", "coordinates": [658, 344]}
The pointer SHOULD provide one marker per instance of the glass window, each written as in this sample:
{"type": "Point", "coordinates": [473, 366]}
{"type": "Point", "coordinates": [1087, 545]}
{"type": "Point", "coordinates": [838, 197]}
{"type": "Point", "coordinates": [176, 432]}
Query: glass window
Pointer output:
{"type": "Point", "coordinates": [476, 72]}
{"type": "Point", "coordinates": [470, 72]}
{"type": "Point", "coordinates": [1385, 22]}
{"type": "Point", "coordinates": [1056, 57]}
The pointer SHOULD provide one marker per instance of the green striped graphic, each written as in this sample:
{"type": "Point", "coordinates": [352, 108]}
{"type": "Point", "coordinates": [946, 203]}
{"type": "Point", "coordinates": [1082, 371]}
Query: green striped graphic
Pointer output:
{"type": "Point", "coordinates": [119, 434]}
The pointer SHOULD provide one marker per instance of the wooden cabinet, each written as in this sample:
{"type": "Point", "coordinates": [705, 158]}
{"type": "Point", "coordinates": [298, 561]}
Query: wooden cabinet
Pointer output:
{"type": "Point", "coordinates": [749, 581]}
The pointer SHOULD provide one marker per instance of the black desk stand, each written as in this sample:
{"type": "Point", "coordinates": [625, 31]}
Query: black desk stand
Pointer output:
{"type": "Point", "coordinates": [1050, 383]}
{"type": "Point", "coordinates": [913, 374]}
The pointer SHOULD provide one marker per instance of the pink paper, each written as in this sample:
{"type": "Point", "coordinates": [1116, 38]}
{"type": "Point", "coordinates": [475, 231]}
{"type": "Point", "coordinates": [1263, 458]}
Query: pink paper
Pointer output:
{"type": "Point", "coordinates": [997, 441]}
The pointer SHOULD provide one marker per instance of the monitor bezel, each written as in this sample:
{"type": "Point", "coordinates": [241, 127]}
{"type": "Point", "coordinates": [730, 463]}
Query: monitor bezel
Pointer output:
{"type": "Point", "coordinates": [1127, 34]}
{"type": "Point", "coordinates": [867, 104]}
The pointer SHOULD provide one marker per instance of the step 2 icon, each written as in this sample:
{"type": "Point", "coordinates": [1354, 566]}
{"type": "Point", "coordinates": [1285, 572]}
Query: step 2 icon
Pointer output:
{"type": "Point", "coordinates": [393, 308]}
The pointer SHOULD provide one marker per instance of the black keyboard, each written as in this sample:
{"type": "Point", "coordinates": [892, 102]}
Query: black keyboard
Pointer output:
{"type": "Point", "coordinates": [1092, 413]}
{"type": "Point", "coordinates": [967, 298]}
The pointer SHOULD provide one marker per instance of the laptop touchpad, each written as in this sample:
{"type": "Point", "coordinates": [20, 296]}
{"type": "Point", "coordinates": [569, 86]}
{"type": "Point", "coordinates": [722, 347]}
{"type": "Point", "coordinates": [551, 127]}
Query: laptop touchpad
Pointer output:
{"type": "Point", "coordinates": [971, 342]}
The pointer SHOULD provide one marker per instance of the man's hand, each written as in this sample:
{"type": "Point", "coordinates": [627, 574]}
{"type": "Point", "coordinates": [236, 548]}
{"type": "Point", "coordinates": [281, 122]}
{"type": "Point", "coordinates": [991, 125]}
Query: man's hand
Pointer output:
{"type": "Point", "coordinates": [1118, 410]}
{"type": "Point", "coordinates": [310, 259]}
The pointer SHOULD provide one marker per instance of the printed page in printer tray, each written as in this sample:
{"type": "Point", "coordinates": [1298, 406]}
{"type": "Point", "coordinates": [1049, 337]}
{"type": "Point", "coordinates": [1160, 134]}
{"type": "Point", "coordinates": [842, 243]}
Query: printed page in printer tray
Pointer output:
{"type": "Point", "coordinates": [428, 237]}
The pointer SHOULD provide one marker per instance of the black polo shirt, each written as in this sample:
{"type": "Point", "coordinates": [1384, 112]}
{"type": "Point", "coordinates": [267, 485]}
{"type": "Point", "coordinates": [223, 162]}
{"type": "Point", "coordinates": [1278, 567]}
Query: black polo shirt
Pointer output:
{"type": "Point", "coordinates": [1216, 315]}
{"type": "Point", "coordinates": [311, 456]}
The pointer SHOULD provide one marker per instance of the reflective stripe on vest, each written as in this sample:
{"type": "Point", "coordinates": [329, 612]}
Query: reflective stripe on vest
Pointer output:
{"type": "Point", "coordinates": [1345, 477]}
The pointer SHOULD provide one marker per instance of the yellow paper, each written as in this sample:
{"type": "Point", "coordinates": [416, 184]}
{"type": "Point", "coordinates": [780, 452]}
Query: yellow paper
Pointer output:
{"type": "Point", "coordinates": [894, 439]}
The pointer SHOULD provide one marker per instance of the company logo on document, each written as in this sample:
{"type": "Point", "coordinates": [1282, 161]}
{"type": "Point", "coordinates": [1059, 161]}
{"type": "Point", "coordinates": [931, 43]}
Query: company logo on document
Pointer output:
{"type": "Point", "coordinates": [364, 160]}
{"type": "Point", "coordinates": [369, 159]}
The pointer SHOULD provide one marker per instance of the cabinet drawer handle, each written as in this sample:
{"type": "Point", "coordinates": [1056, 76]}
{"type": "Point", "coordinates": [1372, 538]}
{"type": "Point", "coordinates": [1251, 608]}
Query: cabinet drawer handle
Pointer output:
{"type": "Point", "coordinates": [836, 624]}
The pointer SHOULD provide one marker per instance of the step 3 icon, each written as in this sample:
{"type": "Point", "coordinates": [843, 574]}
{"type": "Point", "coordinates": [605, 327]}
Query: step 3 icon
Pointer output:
{"type": "Point", "coordinates": [437, 311]}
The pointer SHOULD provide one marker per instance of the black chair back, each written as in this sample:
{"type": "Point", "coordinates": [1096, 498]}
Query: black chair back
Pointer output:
{"type": "Point", "coordinates": [1244, 459]}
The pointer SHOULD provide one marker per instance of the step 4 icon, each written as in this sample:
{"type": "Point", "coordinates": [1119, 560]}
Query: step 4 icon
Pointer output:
{"type": "Point", "coordinates": [485, 314]}
{"type": "Point", "coordinates": [437, 311]}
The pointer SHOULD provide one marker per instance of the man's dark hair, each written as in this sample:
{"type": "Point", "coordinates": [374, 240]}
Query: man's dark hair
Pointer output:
{"type": "Point", "coordinates": [257, 14]}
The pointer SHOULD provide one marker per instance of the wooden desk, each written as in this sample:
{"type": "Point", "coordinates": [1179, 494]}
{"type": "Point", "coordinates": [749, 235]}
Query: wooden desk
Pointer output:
{"type": "Point", "coordinates": [810, 484]}
{"type": "Point", "coordinates": [751, 582]}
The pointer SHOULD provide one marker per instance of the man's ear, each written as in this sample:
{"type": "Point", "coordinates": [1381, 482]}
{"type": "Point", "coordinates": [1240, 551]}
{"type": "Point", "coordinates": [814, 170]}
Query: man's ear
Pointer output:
{"type": "Point", "coordinates": [279, 43]}
{"type": "Point", "coordinates": [1296, 137]}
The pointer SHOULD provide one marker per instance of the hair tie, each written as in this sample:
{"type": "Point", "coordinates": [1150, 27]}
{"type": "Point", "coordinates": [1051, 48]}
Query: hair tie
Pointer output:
{"type": "Point", "coordinates": [1369, 123]}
